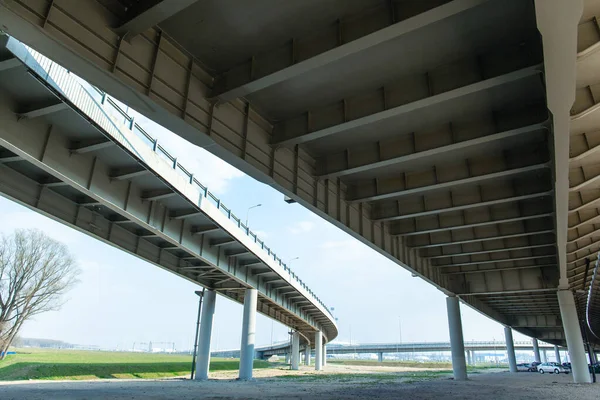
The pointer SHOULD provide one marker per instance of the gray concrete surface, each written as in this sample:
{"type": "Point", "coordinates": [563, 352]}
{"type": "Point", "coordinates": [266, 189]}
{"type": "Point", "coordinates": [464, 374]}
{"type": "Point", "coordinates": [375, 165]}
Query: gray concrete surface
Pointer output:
{"type": "Point", "coordinates": [482, 386]}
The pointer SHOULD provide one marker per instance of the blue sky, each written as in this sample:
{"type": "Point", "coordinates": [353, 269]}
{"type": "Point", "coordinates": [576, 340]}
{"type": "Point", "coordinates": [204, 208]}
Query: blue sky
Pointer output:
{"type": "Point", "coordinates": [122, 300]}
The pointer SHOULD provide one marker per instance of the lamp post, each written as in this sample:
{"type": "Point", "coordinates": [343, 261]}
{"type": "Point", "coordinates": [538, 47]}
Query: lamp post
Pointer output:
{"type": "Point", "coordinates": [290, 261]}
{"type": "Point", "coordinates": [248, 211]}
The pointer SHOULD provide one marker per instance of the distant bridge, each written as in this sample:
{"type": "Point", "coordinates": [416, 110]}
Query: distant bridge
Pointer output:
{"type": "Point", "coordinates": [282, 348]}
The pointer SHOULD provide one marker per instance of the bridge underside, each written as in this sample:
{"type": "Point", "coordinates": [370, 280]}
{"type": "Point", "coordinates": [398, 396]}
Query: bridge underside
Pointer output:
{"type": "Point", "coordinates": [419, 127]}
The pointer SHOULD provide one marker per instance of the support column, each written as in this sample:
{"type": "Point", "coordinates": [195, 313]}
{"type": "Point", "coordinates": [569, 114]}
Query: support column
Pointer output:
{"type": "Point", "coordinates": [510, 349]}
{"type": "Point", "coordinates": [380, 357]}
{"type": "Point", "coordinates": [248, 334]}
{"type": "Point", "coordinates": [206, 321]}
{"type": "Point", "coordinates": [295, 350]}
{"type": "Point", "coordinates": [570, 321]}
{"type": "Point", "coordinates": [536, 350]}
{"type": "Point", "coordinates": [457, 344]}
{"type": "Point", "coordinates": [544, 356]}
{"type": "Point", "coordinates": [557, 354]}
{"type": "Point", "coordinates": [318, 350]}
{"type": "Point", "coordinates": [307, 355]}
{"type": "Point", "coordinates": [324, 355]}
{"type": "Point", "coordinates": [473, 358]}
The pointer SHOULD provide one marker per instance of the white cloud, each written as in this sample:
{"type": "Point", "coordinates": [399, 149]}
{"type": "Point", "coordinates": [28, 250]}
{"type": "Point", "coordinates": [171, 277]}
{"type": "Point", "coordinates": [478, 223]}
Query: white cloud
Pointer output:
{"type": "Point", "coordinates": [210, 170]}
{"type": "Point", "coordinates": [301, 227]}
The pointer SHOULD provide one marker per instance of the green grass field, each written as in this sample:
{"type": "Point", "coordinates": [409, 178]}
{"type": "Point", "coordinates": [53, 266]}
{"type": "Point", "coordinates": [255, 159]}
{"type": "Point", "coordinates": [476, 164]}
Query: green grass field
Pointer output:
{"type": "Point", "coordinates": [72, 364]}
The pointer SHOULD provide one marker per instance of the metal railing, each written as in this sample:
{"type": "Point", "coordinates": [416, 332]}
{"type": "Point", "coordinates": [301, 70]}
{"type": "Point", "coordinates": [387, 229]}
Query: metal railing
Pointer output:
{"type": "Point", "coordinates": [110, 116]}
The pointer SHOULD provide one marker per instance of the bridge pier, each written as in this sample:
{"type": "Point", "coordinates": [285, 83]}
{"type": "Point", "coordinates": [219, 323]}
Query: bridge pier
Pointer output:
{"type": "Point", "coordinates": [457, 344]}
{"type": "Point", "coordinates": [206, 321]}
{"type": "Point", "coordinates": [248, 334]}
{"type": "Point", "coordinates": [544, 356]}
{"type": "Point", "coordinates": [318, 350]}
{"type": "Point", "coordinates": [469, 360]}
{"type": "Point", "coordinates": [536, 350]}
{"type": "Point", "coordinates": [295, 350]}
{"type": "Point", "coordinates": [557, 354]}
{"type": "Point", "coordinates": [307, 355]}
{"type": "Point", "coordinates": [380, 357]}
{"type": "Point", "coordinates": [324, 355]}
{"type": "Point", "coordinates": [510, 349]}
{"type": "Point", "coordinates": [570, 320]}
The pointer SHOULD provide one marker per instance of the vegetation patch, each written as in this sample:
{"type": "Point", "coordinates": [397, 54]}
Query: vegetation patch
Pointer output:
{"type": "Point", "coordinates": [70, 364]}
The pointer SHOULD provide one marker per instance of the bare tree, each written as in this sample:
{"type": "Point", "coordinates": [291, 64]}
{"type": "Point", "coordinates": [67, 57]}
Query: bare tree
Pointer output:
{"type": "Point", "coordinates": [35, 272]}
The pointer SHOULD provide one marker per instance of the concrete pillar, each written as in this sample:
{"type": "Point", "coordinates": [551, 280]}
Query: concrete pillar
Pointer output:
{"type": "Point", "coordinates": [473, 359]}
{"type": "Point", "coordinates": [557, 354]}
{"type": "Point", "coordinates": [248, 334]}
{"type": "Point", "coordinates": [324, 355]}
{"type": "Point", "coordinates": [206, 321]}
{"type": "Point", "coordinates": [457, 344]}
{"type": "Point", "coordinates": [380, 357]}
{"type": "Point", "coordinates": [318, 350]}
{"type": "Point", "coordinates": [510, 349]}
{"type": "Point", "coordinates": [307, 355]}
{"type": "Point", "coordinates": [295, 350]}
{"type": "Point", "coordinates": [469, 357]}
{"type": "Point", "coordinates": [536, 350]}
{"type": "Point", "coordinates": [570, 320]}
{"type": "Point", "coordinates": [544, 356]}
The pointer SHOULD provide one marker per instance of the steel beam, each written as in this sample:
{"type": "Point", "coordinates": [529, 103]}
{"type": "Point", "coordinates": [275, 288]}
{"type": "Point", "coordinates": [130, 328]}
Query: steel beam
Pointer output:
{"type": "Point", "coordinates": [89, 145]}
{"type": "Point", "coordinates": [128, 173]}
{"type": "Point", "coordinates": [42, 111]}
{"type": "Point", "coordinates": [9, 64]}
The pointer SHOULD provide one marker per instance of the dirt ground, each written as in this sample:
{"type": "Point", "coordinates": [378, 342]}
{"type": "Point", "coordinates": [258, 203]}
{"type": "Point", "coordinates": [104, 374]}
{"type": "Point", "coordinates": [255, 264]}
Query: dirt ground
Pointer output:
{"type": "Point", "coordinates": [336, 382]}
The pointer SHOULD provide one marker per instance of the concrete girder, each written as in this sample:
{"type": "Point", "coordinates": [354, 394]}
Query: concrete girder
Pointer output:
{"type": "Point", "coordinates": [457, 177]}
{"type": "Point", "coordinates": [9, 63]}
{"type": "Point", "coordinates": [203, 229]}
{"type": "Point", "coordinates": [222, 242]}
{"type": "Point", "coordinates": [142, 17]}
{"type": "Point", "coordinates": [90, 145]}
{"type": "Point", "coordinates": [46, 110]}
{"type": "Point", "coordinates": [240, 82]}
{"type": "Point", "coordinates": [547, 256]}
{"type": "Point", "coordinates": [500, 214]}
{"type": "Point", "coordinates": [128, 173]}
{"type": "Point", "coordinates": [304, 135]}
{"type": "Point", "coordinates": [517, 243]}
{"type": "Point", "coordinates": [369, 157]}
{"type": "Point", "coordinates": [495, 269]}
{"type": "Point", "coordinates": [158, 194]}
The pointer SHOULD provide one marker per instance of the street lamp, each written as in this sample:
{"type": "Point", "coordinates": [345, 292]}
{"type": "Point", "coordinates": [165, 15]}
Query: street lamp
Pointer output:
{"type": "Point", "coordinates": [290, 261]}
{"type": "Point", "coordinates": [248, 211]}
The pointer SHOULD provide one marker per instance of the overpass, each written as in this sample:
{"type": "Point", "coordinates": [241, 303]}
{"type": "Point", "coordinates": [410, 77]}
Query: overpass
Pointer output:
{"type": "Point", "coordinates": [70, 152]}
{"type": "Point", "coordinates": [283, 348]}
{"type": "Point", "coordinates": [457, 138]}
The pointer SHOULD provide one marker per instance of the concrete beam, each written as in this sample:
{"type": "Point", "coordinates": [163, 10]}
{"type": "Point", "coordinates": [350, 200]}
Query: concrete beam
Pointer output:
{"type": "Point", "coordinates": [377, 196]}
{"type": "Point", "coordinates": [89, 145]}
{"type": "Point", "coordinates": [9, 64]}
{"type": "Point", "coordinates": [227, 93]}
{"type": "Point", "coordinates": [42, 111]}
{"type": "Point", "coordinates": [160, 194]}
{"type": "Point", "coordinates": [144, 19]}
{"type": "Point", "coordinates": [120, 174]}
{"type": "Point", "coordinates": [202, 229]}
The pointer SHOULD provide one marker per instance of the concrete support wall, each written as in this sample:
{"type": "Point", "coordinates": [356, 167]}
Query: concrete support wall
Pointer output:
{"type": "Point", "coordinates": [457, 345]}
{"type": "Point", "coordinates": [295, 350]}
{"type": "Point", "coordinates": [568, 313]}
{"type": "Point", "coordinates": [536, 350]}
{"type": "Point", "coordinates": [206, 321]}
{"type": "Point", "coordinates": [248, 334]}
{"type": "Point", "coordinates": [318, 350]}
{"type": "Point", "coordinates": [557, 354]}
{"type": "Point", "coordinates": [510, 349]}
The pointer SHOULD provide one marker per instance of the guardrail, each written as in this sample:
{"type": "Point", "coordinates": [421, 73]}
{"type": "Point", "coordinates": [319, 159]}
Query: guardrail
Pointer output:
{"type": "Point", "coordinates": [105, 111]}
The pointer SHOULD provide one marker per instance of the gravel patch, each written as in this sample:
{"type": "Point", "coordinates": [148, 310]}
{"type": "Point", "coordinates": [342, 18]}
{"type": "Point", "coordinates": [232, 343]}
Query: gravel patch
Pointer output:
{"type": "Point", "coordinates": [336, 382]}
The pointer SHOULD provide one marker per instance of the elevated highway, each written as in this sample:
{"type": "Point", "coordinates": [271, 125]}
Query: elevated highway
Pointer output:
{"type": "Point", "coordinates": [456, 137]}
{"type": "Point", "coordinates": [283, 348]}
{"type": "Point", "coordinates": [70, 152]}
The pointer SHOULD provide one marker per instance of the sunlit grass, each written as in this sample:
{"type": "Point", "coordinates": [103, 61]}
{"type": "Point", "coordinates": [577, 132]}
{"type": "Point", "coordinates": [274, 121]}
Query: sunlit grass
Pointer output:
{"type": "Point", "coordinates": [73, 364]}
